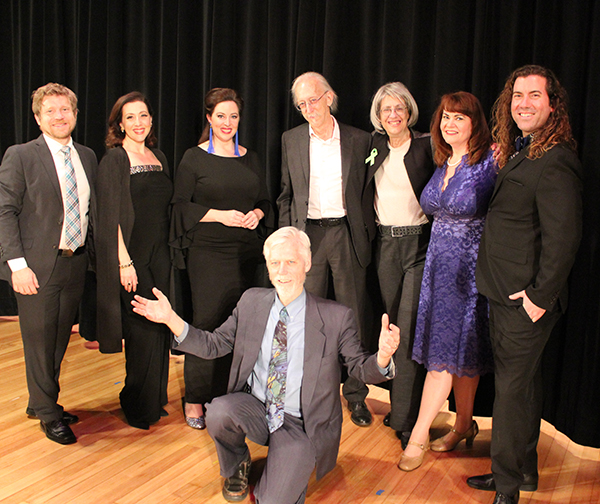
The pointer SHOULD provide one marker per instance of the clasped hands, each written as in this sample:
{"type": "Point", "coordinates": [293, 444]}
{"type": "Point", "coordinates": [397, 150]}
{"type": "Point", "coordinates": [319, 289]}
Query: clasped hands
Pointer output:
{"type": "Point", "coordinates": [235, 218]}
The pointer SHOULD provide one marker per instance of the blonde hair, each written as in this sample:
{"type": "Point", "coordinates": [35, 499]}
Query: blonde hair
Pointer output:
{"type": "Point", "coordinates": [51, 89]}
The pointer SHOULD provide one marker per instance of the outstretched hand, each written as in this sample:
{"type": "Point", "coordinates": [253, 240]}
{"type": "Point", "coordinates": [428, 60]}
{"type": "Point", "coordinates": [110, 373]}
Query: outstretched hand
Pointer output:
{"type": "Point", "coordinates": [158, 310]}
{"type": "Point", "coordinates": [389, 339]}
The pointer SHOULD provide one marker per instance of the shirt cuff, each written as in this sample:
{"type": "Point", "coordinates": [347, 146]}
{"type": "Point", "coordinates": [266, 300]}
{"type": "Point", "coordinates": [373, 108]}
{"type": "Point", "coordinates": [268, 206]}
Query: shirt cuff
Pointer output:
{"type": "Point", "coordinates": [17, 264]}
{"type": "Point", "coordinates": [179, 339]}
{"type": "Point", "coordinates": [390, 371]}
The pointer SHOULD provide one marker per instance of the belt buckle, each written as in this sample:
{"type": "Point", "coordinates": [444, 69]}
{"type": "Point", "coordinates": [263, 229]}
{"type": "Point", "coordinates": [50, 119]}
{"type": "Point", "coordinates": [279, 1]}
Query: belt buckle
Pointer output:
{"type": "Point", "coordinates": [397, 231]}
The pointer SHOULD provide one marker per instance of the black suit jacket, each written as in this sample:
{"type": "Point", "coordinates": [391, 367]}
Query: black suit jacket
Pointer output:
{"type": "Point", "coordinates": [532, 230]}
{"type": "Point", "coordinates": [331, 341]}
{"type": "Point", "coordinates": [419, 167]}
{"type": "Point", "coordinates": [295, 175]}
{"type": "Point", "coordinates": [31, 205]}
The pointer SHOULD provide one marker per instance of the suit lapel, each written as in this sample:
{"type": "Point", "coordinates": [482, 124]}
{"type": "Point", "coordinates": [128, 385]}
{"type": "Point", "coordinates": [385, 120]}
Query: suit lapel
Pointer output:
{"type": "Point", "coordinates": [254, 332]}
{"type": "Point", "coordinates": [48, 163]}
{"type": "Point", "coordinates": [346, 151]}
{"type": "Point", "coordinates": [314, 344]}
{"type": "Point", "coordinates": [86, 167]}
{"type": "Point", "coordinates": [514, 162]}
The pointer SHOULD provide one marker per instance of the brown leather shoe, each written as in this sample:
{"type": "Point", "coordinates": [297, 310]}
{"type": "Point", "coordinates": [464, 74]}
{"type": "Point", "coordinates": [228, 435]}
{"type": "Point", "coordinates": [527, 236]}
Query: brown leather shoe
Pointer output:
{"type": "Point", "coordinates": [411, 463]}
{"type": "Point", "coordinates": [235, 488]}
{"type": "Point", "coordinates": [450, 440]}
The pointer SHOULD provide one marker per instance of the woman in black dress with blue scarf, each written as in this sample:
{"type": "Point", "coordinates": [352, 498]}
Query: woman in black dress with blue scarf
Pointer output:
{"type": "Point", "coordinates": [220, 197]}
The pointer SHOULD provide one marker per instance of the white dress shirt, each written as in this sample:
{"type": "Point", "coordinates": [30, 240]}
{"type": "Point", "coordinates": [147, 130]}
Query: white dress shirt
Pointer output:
{"type": "Point", "coordinates": [325, 191]}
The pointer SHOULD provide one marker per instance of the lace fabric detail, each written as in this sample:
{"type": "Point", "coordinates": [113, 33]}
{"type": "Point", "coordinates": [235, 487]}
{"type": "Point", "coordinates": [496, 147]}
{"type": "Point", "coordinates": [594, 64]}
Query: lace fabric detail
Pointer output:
{"type": "Point", "coordinates": [144, 168]}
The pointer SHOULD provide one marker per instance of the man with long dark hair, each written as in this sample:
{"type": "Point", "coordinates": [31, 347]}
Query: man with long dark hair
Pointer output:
{"type": "Point", "coordinates": [529, 243]}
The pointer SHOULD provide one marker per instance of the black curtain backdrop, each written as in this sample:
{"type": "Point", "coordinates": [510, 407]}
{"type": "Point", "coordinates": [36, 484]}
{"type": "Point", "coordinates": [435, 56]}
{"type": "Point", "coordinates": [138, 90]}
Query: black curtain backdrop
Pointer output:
{"type": "Point", "coordinates": [175, 51]}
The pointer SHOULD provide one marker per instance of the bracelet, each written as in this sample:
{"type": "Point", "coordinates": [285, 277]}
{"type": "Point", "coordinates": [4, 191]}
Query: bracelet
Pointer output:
{"type": "Point", "coordinates": [123, 266]}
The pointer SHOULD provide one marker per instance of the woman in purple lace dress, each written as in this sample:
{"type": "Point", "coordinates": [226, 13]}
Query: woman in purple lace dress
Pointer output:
{"type": "Point", "coordinates": [451, 337]}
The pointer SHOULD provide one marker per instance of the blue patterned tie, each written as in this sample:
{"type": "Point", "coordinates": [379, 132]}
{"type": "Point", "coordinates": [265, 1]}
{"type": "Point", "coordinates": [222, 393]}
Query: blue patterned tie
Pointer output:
{"type": "Point", "coordinates": [275, 398]}
{"type": "Point", "coordinates": [72, 216]}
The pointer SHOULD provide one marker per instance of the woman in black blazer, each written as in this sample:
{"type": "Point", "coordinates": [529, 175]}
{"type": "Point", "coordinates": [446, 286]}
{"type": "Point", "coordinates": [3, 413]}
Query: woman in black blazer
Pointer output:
{"type": "Point", "coordinates": [398, 168]}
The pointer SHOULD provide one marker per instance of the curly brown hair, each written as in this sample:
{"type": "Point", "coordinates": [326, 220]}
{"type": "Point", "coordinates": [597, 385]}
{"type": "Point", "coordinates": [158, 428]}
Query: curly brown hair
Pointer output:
{"type": "Point", "coordinates": [213, 98]}
{"type": "Point", "coordinates": [467, 104]}
{"type": "Point", "coordinates": [557, 129]}
{"type": "Point", "coordinates": [114, 137]}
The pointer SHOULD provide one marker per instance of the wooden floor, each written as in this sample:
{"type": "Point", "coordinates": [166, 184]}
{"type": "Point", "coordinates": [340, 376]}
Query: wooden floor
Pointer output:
{"type": "Point", "coordinates": [171, 463]}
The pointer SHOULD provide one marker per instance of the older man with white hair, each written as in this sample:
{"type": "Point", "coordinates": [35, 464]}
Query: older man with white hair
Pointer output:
{"type": "Point", "coordinates": [288, 348]}
{"type": "Point", "coordinates": [323, 174]}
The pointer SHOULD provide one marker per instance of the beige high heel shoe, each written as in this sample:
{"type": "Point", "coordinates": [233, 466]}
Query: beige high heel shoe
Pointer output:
{"type": "Point", "coordinates": [450, 440]}
{"type": "Point", "coordinates": [411, 463]}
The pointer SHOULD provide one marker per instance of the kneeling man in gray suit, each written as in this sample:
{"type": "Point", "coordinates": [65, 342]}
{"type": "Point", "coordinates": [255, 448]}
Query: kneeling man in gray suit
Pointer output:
{"type": "Point", "coordinates": [284, 387]}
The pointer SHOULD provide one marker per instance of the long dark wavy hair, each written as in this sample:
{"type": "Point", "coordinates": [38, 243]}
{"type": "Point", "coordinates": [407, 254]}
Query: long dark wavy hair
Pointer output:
{"type": "Point", "coordinates": [114, 137]}
{"type": "Point", "coordinates": [467, 104]}
{"type": "Point", "coordinates": [212, 99]}
{"type": "Point", "coordinates": [557, 129]}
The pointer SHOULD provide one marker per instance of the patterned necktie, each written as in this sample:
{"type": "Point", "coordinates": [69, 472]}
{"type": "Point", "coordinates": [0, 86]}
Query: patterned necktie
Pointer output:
{"type": "Point", "coordinates": [275, 398]}
{"type": "Point", "coordinates": [72, 217]}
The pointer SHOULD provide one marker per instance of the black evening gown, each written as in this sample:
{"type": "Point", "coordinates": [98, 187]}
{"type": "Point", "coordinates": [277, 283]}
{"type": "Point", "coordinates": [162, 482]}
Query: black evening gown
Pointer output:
{"type": "Point", "coordinates": [146, 343]}
{"type": "Point", "coordinates": [222, 261]}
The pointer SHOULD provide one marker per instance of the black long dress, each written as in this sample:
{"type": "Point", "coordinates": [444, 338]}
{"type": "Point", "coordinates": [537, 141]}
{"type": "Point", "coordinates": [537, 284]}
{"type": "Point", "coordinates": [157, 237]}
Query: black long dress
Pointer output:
{"type": "Point", "coordinates": [136, 198]}
{"type": "Point", "coordinates": [222, 261]}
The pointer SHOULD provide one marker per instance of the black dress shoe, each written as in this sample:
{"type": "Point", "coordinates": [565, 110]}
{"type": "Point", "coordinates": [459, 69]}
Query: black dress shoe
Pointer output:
{"type": "Point", "coordinates": [235, 488]}
{"type": "Point", "coordinates": [486, 482]}
{"type": "Point", "coordinates": [502, 498]}
{"type": "Point", "coordinates": [387, 419]}
{"type": "Point", "coordinates": [58, 432]}
{"type": "Point", "coordinates": [68, 418]}
{"type": "Point", "coordinates": [360, 414]}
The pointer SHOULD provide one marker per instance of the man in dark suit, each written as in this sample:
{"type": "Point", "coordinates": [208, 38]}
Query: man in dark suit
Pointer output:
{"type": "Point", "coordinates": [528, 247]}
{"type": "Point", "coordinates": [322, 180]}
{"type": "Point", "coordinates": [45, 188]}
{"type": "Point", "coordinates": [320, 335]}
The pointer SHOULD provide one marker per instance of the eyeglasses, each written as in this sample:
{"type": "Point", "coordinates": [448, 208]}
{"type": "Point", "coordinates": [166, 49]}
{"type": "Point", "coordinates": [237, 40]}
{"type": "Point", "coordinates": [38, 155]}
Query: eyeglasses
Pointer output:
{"type": "Point", "coordinates": [312, 102]}
{"type": "Point", "coordinates": [387, 111]}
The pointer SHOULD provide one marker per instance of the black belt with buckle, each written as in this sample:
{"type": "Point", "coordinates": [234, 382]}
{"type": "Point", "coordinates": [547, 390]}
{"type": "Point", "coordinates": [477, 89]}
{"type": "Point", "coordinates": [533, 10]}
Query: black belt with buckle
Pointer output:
{"type": "Point", "coordinates": [400, 231]}
{"type": "Point", "coordinates": [327, 222]}
{"type": "Point", "coordinates": [70, 253]}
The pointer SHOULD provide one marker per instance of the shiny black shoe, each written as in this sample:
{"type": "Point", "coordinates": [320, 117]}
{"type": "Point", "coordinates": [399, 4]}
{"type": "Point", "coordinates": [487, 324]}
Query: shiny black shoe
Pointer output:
{"type": "Point", "coordinates": [502, 498]}
{"type": "Point", "coordinates": [68, 418]}
{"type": "Point", "coordinates": [486, 482]}
{"type": "Point", "coordinates": [387, 419]}
{"type": "Point", "coordinates": [58, 432]}
{"type": "Point", "coordinates": [360, 414]}
{"type": "Point", "coordinates": [235, 488]}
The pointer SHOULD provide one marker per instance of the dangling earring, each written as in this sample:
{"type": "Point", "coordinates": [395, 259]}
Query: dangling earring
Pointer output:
{"type": "Point", "coordinates": [122, 129]}
{"type": "Point", "coordinates": [211, 147]}
{"type": "Point", "coordinates": [237, 147]}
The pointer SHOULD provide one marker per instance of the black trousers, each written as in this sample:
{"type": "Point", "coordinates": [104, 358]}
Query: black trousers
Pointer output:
{"type": "Point", "coordinates": [146, 343]}
{"type": "Point", "coordinates": [46, 319]}
{"type": "Point", "coordinates": [400, 262]}
{"type": "Point", "coordinates": [517, 344]}
{"type": "Point", "coordinates": [333, 255]}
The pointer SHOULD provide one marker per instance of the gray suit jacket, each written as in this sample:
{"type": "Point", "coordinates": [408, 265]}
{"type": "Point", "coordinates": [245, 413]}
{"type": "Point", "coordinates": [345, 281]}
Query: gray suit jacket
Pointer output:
{"type": "Point", "coordinates": [295, 175]}
{"type": "Point", "coordinates": [31, 205]}
{"type": "Point", "coordinates": [330, 333]}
